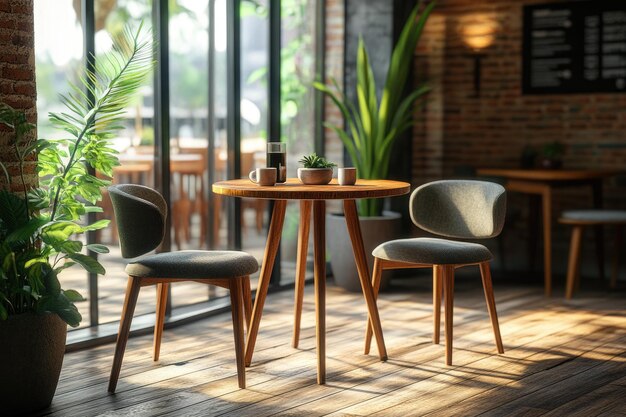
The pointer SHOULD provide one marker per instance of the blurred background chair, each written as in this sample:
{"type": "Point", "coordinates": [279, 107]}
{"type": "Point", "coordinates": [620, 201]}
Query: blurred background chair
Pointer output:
{"type": "Point", "coordinates": [140, 213]}
{"type": "Point", "coordinates": [579, 219]}
{"type": "Point", "coordinates": [457, 209]}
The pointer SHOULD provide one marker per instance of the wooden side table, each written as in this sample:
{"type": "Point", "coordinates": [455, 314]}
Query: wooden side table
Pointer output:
{"type": "Point", "coordinates": [542, 182]}
{"type": "Point", "coordinates": [313, 198]}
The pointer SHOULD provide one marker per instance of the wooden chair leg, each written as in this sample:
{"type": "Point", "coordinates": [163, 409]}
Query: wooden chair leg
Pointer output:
{"type": "Point", "coordinates": [574, 261]}
{"type": "Point", "coordinates": [161, 303]}
{"type": "Point", "coordinates": [236, 295]}
{"type": "Point", "coordinates": [448, 286]}
{"type": "Point", "coordinates": [437, 284]}
{"type": "Point", "coordinates": [303, 247]}
{"type": "Point", "coordinates": [485, 273]}
{"type": "Point", "coordinates": [247, 301]}
{"type": "Point", "coordinates": [132, 292]}
{"type": "Point", "coordinates": [377, 274]}
{"type": "Point", "coordinates": [616, 259]}
{"type": "Point", "coordinates": [599, 236]}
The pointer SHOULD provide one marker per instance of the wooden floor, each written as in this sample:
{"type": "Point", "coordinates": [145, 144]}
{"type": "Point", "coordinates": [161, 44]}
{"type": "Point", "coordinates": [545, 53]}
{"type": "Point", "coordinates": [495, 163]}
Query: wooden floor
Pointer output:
{"type": "Point", "coordinates": [561, 358]}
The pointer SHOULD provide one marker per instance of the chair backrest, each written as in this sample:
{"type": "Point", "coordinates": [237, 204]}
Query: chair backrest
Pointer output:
{"type": "Point", "coordinates": [140, 213]}
{"type": "Point", "coordinates": [463, 209]}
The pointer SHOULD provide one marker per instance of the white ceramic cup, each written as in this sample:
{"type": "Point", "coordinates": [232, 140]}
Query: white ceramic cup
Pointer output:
{"type": "Point", "coordinates": [263, 176]}
{"type": "Point", "coordinates": [346, 176]}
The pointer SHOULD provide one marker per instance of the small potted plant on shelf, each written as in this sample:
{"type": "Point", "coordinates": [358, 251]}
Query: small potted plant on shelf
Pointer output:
{"type": "Point", "coordinates": [552, 155]}
{"type": "Point", "coordinates": [317, 170]}
{"type": "Point", "coordinates": [42, 222]}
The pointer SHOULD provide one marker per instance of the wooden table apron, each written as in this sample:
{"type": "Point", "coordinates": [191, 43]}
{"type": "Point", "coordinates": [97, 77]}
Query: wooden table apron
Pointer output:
{"type": "Point", "coordinates": [541, 182]}
{"type": "Point", "coordinates": [314, 197]}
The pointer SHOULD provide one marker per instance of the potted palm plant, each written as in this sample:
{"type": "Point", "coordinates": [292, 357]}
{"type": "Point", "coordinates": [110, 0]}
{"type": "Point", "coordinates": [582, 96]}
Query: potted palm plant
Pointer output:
{"type": "Point", "coordinates": [41, 226]}
{"type": "Point", "coordinates": [373, 127]}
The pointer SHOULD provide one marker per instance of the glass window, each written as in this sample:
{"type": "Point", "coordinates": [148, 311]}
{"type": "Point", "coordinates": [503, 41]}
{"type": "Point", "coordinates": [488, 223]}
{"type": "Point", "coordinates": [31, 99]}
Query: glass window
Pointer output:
{"type": "Point", "coordinates": [198, 115]}
{"type": "Point", "coordinates": [297, 108]}
{"type": "Point", "coordinates": [189, 137]}
{"type": "Point", "coordinates": [254, 101]}
{"type": "Point", "coordinates": [135, 144]}
{"type": "Point", "coordinates": [58, 58]}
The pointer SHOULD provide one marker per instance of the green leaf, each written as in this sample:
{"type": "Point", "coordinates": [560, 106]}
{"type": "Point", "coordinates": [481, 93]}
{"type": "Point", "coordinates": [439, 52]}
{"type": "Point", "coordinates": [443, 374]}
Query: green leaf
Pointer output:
{"type": "Point", "coordinates": [98, 248]}
{"type": "Point", "coordinates": [38, 199]}
{"type": "Point", "coordinates": [66, 265]}
{"type": "Point", "coordinates": [60, 305]}
{"type": "Point", "coordinates": [87, 262]}
{"type": "Point", "coordinates": [93, 209]}
{"type": "Point", "coordinates": [50, 281]}
{"type": "Point", "coordinates": [12, 210]}
{"type": "Point", "coordinates": [73, 296]}
{"type": "Point", "coordinates": [34, 261]}
{"type": "Point", "coordinates": [70, 246]}
{"type": "Point", "coordinates": [54, 233]}
{"type": "Point", "coordinates": [100, 224]}
{"type": "Point", "coordinates": [27, 231]}
{"type": "Point", "coordinates": [315, 161]}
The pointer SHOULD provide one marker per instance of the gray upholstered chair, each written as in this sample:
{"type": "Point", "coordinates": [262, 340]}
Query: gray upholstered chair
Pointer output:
{"type": "Point", "coordinates": [457, 209]}
{"type": "Point", "coordinates": [140, 213]}
{"type": "Point", "coordinates": [579, 219]}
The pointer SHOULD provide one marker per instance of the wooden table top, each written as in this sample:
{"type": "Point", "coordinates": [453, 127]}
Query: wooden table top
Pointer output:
{"type": "Point", "coordinates": [548, 174]}
{"type": "Point", "coordinates": [293, 189]}
{"type": "Point", "coordinates": [144, 157]}
{"type": "Point", "coordinates": [180, 163]}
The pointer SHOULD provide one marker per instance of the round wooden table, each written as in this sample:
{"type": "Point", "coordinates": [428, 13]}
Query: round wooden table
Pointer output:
{"type": "Point", "coordinates": [313, 198]}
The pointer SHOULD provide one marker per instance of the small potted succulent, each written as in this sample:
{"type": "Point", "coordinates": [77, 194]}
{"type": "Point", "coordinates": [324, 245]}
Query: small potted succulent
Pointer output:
{"type": "Point", "coordinates": [317, 170]}
{"type": "Point", "coordinates": [552, 155]}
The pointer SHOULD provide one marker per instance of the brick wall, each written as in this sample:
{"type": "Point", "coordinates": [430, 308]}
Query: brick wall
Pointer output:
{"type": "Point", "coordinates": [492, 129]}
{"type": "Point", "coordinates": [458, 129]}
{"type": "Point", "coordinates": [17, 74]}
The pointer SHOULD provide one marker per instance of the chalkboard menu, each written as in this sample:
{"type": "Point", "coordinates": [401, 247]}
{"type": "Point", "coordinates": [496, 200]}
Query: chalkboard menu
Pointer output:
{"type": "Point", "coordinates": [575, 47]}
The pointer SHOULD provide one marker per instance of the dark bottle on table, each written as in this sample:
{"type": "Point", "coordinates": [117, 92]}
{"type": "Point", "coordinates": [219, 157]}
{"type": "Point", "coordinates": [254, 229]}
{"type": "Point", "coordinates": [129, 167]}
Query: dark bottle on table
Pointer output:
{"type": "Point", "coordinates": [277, 158]}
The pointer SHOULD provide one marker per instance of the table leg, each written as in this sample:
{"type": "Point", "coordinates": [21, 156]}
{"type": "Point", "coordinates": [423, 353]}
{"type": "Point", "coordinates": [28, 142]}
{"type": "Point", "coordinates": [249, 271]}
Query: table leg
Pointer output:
{"type": "Point", "coordinates": [598, 230]}
{"type": "Point", "coordinates": [534, 208]}
{"type": "Point", "coordinates": [319, 246]}
{"type": "Point", "coordinates": [354, 228]}
{"type": "Point", "coordinates": [547, 238]}
{"type": "Point", "coordinates": [271, 248]}
{"type": "Point", "coordinates": [303, 246]}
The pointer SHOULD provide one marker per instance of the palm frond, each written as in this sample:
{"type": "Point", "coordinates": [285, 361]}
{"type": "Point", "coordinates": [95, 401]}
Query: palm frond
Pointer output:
{"type": "Point", "coordinates": [117, 76]}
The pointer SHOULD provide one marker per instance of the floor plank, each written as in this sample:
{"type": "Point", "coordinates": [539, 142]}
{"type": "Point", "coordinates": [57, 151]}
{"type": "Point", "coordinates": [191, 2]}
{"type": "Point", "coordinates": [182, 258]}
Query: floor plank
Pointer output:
{"type": "Point", "coordinates": [561, 358]}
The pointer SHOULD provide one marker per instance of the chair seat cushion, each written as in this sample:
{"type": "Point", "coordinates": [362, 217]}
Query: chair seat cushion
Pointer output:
{"type": "Point", "coordinates": [595, 216]}
{"type": "Point", "coordinates": [432, 251]}
{"type": "Point", "coordinates": [194, 264]}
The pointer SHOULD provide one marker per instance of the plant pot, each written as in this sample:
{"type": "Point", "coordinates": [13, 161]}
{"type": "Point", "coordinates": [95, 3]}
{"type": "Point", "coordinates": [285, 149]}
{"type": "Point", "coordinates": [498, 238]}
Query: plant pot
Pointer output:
{"type": "Point", "coordinates": [315, 176]}
{"type": "Point", "coordinates": [31, 356]}
{"type": "Point", "coordinates": [551, 163]}
{"type": "Point", "coordinates": [375, 230]}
